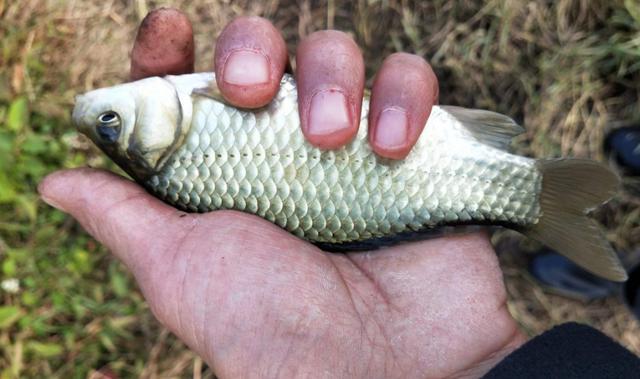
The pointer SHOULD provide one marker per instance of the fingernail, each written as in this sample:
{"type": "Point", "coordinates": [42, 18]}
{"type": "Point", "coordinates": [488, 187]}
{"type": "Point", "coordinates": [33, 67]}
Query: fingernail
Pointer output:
{"type": "Point", "coordinates": [328, 113]}
{"type": "Point", "coordinates": [245, 68]}
{"type": "Point", "coordinates": [392, 129]}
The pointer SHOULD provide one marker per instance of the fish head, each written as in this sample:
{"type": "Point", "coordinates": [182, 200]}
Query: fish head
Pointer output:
{"type": "Point", "coordinates": [136, 124]}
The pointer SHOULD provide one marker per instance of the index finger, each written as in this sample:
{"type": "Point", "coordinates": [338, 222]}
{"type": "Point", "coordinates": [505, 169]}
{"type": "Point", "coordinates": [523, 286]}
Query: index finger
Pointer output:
{"type": "Point", "coordinates": [330, 86]}
{"type": "Point", "coordinates": [164, 45]}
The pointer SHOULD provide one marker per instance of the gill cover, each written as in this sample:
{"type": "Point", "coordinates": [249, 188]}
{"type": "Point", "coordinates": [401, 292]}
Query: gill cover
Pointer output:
{"type": "Point", "coordinates": [137, 124]}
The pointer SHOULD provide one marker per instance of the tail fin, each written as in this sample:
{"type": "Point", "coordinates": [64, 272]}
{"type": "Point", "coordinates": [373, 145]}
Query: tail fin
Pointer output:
{"type": "Point", "coordinates": [570, 188]}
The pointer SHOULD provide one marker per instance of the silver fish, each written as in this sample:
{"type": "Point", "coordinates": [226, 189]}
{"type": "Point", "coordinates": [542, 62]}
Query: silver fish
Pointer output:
{"type": "Point", "coordinates": [178, 138]}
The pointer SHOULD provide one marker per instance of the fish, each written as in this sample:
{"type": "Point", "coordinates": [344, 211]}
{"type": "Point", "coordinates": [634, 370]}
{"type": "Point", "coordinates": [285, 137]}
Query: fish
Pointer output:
{"type": "Point", "coordinates": [178, 138]}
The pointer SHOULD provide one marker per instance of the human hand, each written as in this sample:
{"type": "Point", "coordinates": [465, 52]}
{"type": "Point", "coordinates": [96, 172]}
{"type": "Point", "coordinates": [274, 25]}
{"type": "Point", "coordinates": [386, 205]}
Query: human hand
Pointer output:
{"type": "Point", "coordinates": [253, 300]}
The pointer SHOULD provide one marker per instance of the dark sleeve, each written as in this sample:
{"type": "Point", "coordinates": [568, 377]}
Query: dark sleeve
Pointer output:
{"type": "Point", "coordinates": [569, 351]}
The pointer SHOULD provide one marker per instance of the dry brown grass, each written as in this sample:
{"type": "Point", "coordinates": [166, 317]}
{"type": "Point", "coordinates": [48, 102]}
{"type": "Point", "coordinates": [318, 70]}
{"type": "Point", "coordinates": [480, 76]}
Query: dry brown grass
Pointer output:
{"type": "Point", "coordinates": [567, 69]}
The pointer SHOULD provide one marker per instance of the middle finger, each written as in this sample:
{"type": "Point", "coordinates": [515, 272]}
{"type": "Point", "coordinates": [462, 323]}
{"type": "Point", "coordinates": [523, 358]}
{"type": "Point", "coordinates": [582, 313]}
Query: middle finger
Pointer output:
{"type": "Point", "coordinates": [330, 80]}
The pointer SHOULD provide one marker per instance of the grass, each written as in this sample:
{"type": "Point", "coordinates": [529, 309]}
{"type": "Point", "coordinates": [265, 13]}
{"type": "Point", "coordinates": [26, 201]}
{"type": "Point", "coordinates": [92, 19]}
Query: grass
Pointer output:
{"type": "Point", "coordinates": [568, 70]}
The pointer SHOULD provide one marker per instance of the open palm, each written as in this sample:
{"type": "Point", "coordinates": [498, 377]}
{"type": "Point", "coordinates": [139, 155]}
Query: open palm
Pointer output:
{"type": "Point", "coordinates": [255, 301]}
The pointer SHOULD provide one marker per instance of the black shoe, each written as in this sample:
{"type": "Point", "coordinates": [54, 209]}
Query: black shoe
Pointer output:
{"type": "Point", "coordinates": [632, 291]}
{"type": "Point", "coordinates": [559, 275]}
{"type": "Point", "coordinates": [623, 148]}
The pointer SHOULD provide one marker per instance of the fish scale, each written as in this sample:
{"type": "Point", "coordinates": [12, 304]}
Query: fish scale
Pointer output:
{"type": "Point", "coordinates": [259, 162]}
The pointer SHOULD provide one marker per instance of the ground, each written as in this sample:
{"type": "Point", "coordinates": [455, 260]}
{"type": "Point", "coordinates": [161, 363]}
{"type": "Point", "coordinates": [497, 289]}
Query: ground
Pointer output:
{"type": "Point", "coordinates": [568, 70]}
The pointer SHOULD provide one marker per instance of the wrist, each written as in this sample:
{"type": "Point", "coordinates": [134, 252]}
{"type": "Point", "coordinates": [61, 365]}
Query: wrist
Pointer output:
{"type": "Point", "coordinates": [479, 369]}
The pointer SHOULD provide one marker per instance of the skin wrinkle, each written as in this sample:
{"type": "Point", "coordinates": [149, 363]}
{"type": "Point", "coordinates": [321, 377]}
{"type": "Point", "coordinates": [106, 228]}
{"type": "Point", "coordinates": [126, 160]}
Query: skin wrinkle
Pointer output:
{"type": "Point", "coordinates": [412, 84]}
{"type": "Point", "coordinates": [374, 283]}
{"type": "Point", "coordinates": [221, 354]}
{"type": "Point", "coordinates": [276, 336]}
{"type": "Point", "coordinates": [287, 353]}
{"type": "Point", "coordinates": [189, 260]}
{"type": "Point", "coordinates": [255, 354]}
{"type": "Point", "coordinates": [261, 265]}
{"type": "Point", "coordinates": [356, 312]}
{"type": "Point", "coordinates": [279, 366]}
{"type": "Point", "coordinates": [107, 213]}
{"type": "Point", "coordinates": [376, 291]}
{"type": "Point", "coordinates": [174, 251]}
{"type": "Point", "coordinates": [382, 294]}
{"type": "Point", "coordinates": [206, 341]}
{"type": "Point", "coordinates": [85, 197]}
{"type": "Point", "coordinates": [253, 23]}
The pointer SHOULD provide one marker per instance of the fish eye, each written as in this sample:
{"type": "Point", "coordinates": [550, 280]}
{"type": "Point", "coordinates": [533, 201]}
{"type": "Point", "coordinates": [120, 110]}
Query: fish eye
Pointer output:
{"type": "Point", "coordinates": [107, 117]}
{"type": "Point", "coordinates": [108, 127]}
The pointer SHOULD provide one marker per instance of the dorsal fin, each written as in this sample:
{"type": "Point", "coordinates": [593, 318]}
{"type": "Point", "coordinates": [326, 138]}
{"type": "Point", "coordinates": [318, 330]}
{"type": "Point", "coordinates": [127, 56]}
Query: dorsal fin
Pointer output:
{"type": "Point", "coordinates": [491, 128]}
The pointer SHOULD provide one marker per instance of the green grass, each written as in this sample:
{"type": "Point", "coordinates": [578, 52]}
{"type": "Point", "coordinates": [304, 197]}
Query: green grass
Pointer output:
{"type": "Point", "coordinates": [568, 70]}
{"type": "Point", "coordinates": [76, 309]}
{"type": "Point", "coordinates": [75, 306]}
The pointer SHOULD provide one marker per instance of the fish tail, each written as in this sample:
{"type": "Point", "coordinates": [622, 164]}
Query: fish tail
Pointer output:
{"type": "Point", "coordinates": [570, 188]}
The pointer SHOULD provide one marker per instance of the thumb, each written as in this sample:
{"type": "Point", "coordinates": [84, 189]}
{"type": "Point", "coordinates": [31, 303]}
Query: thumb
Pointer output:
{"type": "Point", "coordinates": [114, 210]}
